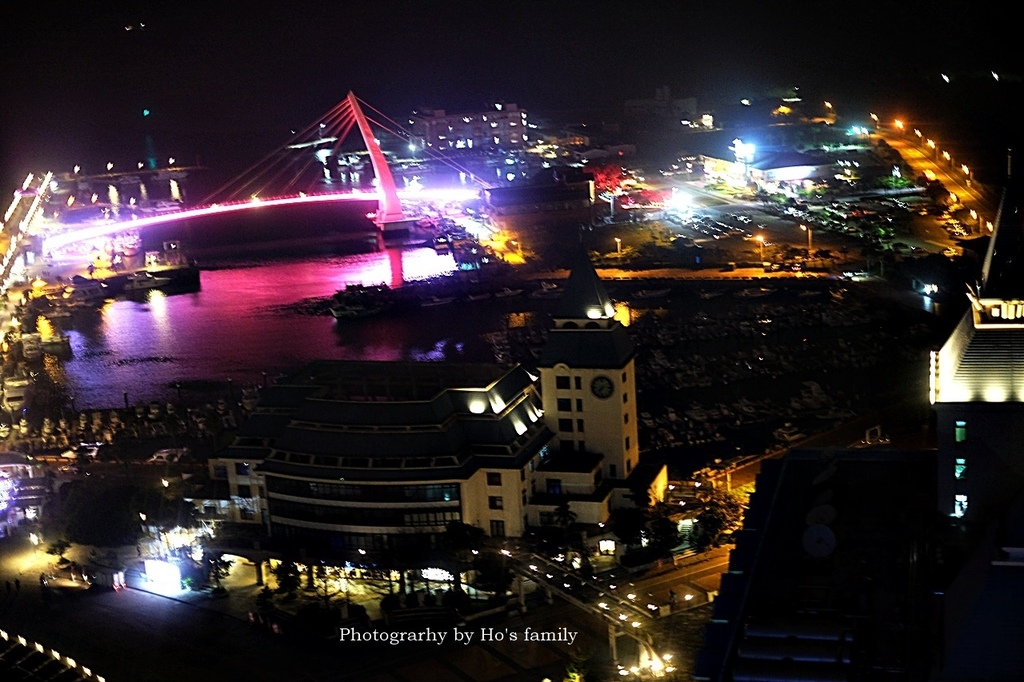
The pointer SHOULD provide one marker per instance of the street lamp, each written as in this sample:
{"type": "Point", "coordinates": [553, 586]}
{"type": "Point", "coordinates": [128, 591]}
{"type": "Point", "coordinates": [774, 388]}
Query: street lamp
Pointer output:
{"type": "Point", "coordinates": [808, 231]}
{"type": "Point", "coordinates": [618, 246]}
{"type": "Point", "coordinates": [760, 243]}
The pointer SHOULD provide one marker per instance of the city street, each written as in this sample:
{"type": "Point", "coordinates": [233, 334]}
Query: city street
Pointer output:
{"type": "Point", "coordinates": [193, 636]}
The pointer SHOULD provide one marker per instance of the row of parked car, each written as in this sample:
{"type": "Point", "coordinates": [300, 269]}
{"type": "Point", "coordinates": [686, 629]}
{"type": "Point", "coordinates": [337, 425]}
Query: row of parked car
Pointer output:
{"type": "Point", "coordinates": [90, 451]}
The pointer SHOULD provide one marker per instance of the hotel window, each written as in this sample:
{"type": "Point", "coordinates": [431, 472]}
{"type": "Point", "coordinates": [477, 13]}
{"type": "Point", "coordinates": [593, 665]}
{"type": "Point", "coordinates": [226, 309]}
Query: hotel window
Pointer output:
{"type": "Point", "coordinates": [960, 432]}
{"type": "Point", "coordinates": [627, 442]}
{"type": "Point", "coordinates": [625, 418]}
{"type": "Point", "coordinates": [625, 397]}
{"type": "Point", "coordinates": [612, 471]}
{"type": "Point", "coordinates": [497, 529]}
{"type": "Point", "coordinates": [562, 382]}
{"type": "Point", "coordinates": [623, 377]}
{"type": "Point", "coordinates": [579, 404]}
{"type": "Point", "coordinates": [244, 491]}
{"type": "Point", "coordinates": [242, 468]}
{"type": "Point", "coordinates": [565, 425]}
{"type": "Point", "coordinates": [493, 478]}
{"type": "Point", "coordinates": [554, 486]}
{"type": "Point", "coordinates": [495, 502]}
{"type": "Point", "coordinates": [960, 468]}
{"type": "Point", "coordinates": [565, 405]}
{"type": "Point", "coordinates": [579, 426]}
{"type": "Point", "coordinates": [578, 382]}
{"type": "Point", "coordinates": [959, 505]}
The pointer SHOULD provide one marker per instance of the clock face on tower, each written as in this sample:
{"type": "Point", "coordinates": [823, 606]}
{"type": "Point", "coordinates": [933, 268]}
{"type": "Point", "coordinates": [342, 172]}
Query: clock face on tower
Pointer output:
{"type": "Point", "coordinates": [602, 387]}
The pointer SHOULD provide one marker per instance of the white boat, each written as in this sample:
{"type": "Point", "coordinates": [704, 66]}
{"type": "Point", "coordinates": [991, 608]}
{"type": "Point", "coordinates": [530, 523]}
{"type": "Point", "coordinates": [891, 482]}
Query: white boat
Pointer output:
{"type": "Point", "coordinates": [437, 300]}
{"type": "Point", "coordinates": [143, 281]}
{"type": "Point", "coordinates": [754, 293]}
{"type": "Point", "coordinates": [85, 292]}
{"type": "Point", "coordinates": [31, 346]}
{"type": "Point", "coordinates": [16, 387]}
{"type": "Point", "coordinates": [547, 290]}
{"type": "Point", "coordinates": [652, 293]}
{"type": "Point", "coordinates": [789, 433]}
{"type": "Point", "coordinates": [56, 343]}
{"type": "Point", "coordinates": [349, 310]}
{"type": "Point", "coordinates": [506, 292]}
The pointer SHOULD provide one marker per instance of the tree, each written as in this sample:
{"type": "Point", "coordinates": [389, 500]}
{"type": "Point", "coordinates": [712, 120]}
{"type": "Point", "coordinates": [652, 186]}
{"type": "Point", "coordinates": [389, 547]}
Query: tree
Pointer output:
{"type": "Point", "coordinates": [461, 540]}
{"type": "Point", "coordinates": [218, 568]}
{"type": "Point", "coordinates": [289, 580]}
{"type": "Point", "coordinates": [329, 582]}
{"type": "Point", "coordinates": [722, 512]}
{"type": "Point", "coordinates": [493, 573]}
{"type": "Point", "coordinates": [58, 547]}
{"type": "Point", "coordinates": [664, 532]}
{"type": "Point", "coordinates": [608, 177]}
{"type": "Point", "coordinates": [265, 600]}
{"type": "Point", "coordinates": [628, 524]}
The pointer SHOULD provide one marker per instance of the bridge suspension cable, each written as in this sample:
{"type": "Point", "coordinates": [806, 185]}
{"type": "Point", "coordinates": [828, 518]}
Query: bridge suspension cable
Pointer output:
{"type": "Point", "coordinates": [298, 166]}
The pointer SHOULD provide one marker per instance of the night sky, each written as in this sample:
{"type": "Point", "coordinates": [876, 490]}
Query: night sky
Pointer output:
{"type": "Point", "coordinates": [226, 80]}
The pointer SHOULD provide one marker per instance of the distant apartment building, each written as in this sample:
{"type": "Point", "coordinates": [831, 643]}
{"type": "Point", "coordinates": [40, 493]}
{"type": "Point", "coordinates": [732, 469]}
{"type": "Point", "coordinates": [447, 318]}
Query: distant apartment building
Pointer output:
{"type": "Point", "coordinates": [502, 125]}
{"type": "Point", "coordinates": [661, 110]}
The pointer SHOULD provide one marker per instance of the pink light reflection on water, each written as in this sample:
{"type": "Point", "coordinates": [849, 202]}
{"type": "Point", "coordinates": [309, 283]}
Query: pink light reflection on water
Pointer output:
{"type": "Point", "coordinates": [244, 321]}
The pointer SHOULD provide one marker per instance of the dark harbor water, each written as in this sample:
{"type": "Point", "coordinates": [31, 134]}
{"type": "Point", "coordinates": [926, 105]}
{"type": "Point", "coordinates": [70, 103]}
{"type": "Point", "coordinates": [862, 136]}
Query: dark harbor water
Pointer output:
{"type": "Point", "coordinates": [254, 319]}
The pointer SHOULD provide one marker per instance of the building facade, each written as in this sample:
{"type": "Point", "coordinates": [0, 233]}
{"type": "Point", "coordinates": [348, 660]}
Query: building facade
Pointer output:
{"type": "Point", "coordinates": [977, 381]}
{"type": "Point", "coordinates": [372, 461]}
{"type": "Point", "coordinates": [502, 125]}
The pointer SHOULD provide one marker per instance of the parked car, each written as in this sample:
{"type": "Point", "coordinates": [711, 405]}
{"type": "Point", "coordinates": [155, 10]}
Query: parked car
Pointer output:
{"type": "Point", "coordinates": [167, 456]}
{"type": "Point", "coordinates": [82, 451]}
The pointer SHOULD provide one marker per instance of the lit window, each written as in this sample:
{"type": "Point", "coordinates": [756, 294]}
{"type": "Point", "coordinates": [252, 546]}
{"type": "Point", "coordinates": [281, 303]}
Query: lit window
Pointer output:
{"type": "Point", "coordinates": [960, 433]}
{"type": "Point", "coordinates": [960, 468]}
{"type": "Point", "coordinates": [959, 505]}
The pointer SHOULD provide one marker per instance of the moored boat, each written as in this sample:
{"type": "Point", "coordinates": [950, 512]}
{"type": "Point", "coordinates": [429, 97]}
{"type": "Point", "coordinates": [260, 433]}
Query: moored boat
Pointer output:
{"type": "Point", "coordinates": [652, 293]}
{"type": "Point", "coordinates": [144, 281]}
{"type": "Point", "coordinates": [85, 292]}
{"type": "Point", "coordinates": [350, 310]}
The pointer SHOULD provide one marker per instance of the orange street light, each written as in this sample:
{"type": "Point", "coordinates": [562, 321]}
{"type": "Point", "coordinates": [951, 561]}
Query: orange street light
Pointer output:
{"type": "Point", "coordinates": [808, 231]}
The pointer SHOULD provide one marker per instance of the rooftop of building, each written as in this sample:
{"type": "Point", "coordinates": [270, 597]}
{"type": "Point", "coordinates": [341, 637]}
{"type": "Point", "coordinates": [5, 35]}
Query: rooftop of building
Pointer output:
{"type": "Point", "coordinates": [817, 572]}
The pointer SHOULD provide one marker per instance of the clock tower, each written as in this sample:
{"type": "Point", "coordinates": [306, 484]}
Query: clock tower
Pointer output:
{"type": "Point", "coordinates": [588, 378]}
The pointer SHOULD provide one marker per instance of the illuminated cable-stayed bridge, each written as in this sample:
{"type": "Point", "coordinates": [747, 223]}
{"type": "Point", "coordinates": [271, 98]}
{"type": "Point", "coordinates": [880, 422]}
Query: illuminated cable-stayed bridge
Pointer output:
{"type": "Point", "coordinates": [292, 174]}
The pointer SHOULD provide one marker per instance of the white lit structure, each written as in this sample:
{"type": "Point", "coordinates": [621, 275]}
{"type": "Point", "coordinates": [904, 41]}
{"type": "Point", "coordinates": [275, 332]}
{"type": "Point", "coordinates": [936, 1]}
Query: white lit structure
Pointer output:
{"type": "Point", "coordinates": [976, 381]}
